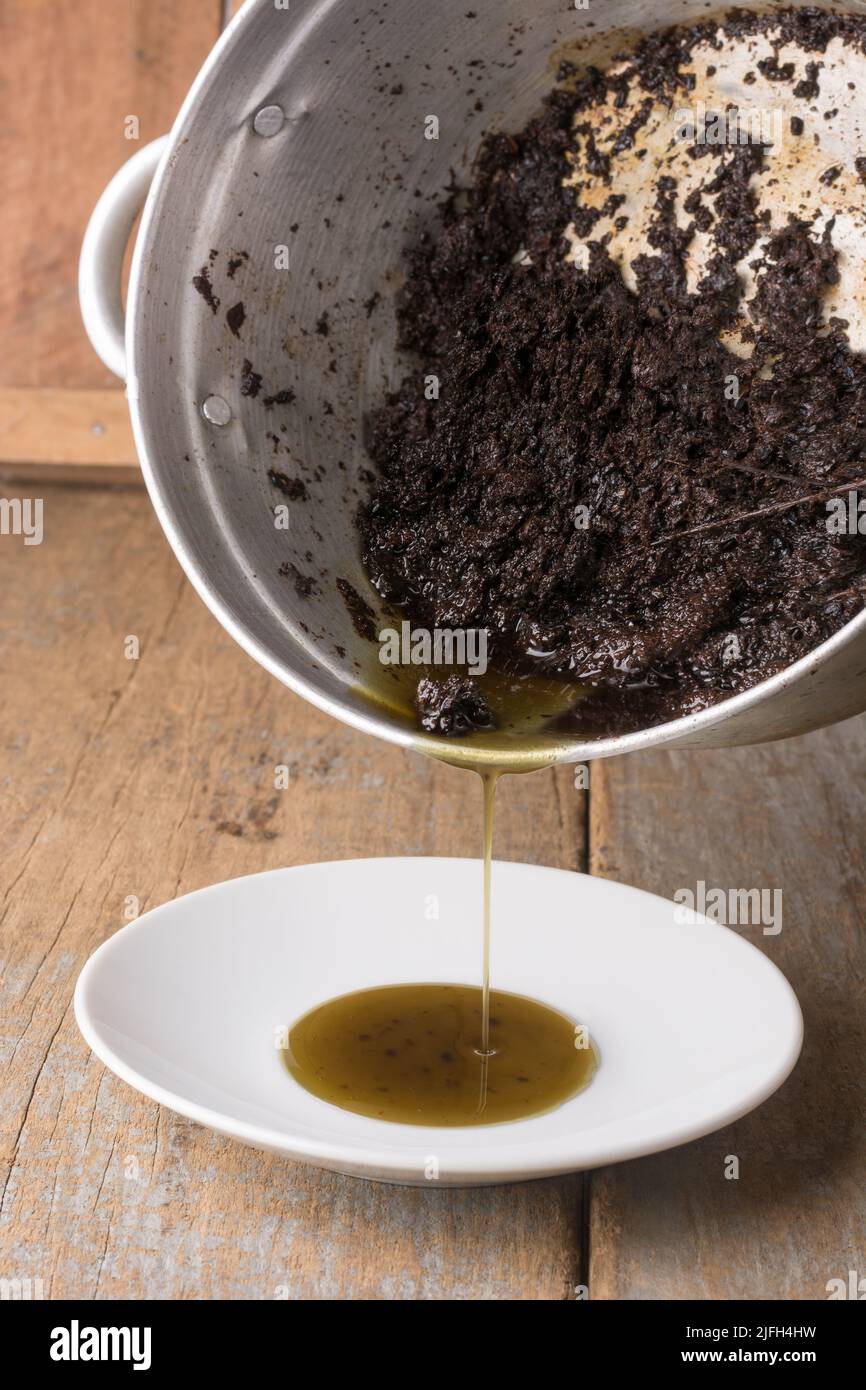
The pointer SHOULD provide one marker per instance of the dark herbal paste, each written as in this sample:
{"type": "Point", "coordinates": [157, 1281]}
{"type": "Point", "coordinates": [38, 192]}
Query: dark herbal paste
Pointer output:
{"type": "Point", "coordinates": [585, 487]}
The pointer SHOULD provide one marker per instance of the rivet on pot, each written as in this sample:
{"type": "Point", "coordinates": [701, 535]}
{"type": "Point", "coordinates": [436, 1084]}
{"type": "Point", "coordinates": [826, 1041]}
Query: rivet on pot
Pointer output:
{"type": "Point", "coordinates": [269, 121]}
{"type": "Point", "coordinates": [216, 410]}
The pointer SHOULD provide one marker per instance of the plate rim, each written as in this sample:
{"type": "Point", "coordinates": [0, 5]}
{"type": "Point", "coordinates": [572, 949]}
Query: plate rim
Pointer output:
{"type": "Point", "coordinates": [504, 1163]}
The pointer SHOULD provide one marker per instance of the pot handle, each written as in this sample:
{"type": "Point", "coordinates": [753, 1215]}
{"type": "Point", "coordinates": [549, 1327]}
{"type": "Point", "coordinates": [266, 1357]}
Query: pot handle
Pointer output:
{"type": "Point", "coordinates": [101, 263]}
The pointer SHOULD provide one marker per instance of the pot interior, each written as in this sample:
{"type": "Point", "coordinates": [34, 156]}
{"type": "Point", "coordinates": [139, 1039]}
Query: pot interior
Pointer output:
{"type": "Point", "coordinates": [306, 230]}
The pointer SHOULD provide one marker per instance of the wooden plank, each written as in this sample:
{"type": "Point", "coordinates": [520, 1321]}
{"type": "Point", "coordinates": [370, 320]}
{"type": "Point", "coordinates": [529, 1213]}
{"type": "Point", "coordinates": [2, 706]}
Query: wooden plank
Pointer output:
{"type": "Point", "coordinates": [44, 425]}
{"type": "Point", "coordinates": [151, 778]}
{"type": "Point", "coordinates": [788, 816]}
{"type": "Point", "coordinates": [72, 75]}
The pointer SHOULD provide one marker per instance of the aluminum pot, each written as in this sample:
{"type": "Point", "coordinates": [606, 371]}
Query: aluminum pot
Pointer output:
{"type": "Point", "coordinates": [302, 144]}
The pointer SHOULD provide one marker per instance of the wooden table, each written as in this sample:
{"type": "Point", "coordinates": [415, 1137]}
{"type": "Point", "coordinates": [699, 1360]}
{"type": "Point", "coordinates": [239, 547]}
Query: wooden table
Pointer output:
{"type": "Point", "coordinates": [141, 779]}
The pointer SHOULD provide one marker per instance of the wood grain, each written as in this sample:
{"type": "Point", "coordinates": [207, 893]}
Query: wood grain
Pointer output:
{"type": "Point", "coordinates": [152, 777]}
{"type": "Point", "coordinates": [72, 74]}
{"type": "Point", "coordinates": [787, 816]}
{"type": "Point", "coordinates": [47, 426]}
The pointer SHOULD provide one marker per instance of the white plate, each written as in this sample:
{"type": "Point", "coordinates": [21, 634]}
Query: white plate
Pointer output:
{"type": "Point", "coordinates": [694, 1026]}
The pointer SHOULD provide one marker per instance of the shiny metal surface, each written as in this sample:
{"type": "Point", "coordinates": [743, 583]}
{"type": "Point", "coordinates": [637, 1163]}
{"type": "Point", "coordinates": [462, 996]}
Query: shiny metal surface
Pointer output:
{"type": "Point", "coordinates": [342, 170]}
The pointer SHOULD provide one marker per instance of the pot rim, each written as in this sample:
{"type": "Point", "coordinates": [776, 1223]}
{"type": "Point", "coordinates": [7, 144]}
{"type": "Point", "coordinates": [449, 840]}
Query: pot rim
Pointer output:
{"type": "Point", "coordinates": [686, 729]}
